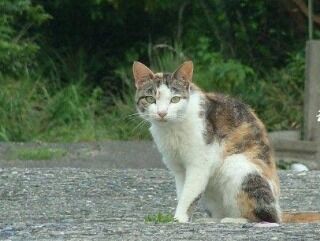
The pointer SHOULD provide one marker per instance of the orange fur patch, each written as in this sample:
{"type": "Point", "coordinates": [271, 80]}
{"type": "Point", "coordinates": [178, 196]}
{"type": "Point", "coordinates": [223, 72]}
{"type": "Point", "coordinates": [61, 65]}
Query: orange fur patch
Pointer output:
{"type": "Point", "coordinates": [252, 150]}
{"type": "Point", "coordinates": [305, 217]}
{"type": "Point", "coordinates": [235, 137]}
{"type": "Point", "coordinates": [246, 206]}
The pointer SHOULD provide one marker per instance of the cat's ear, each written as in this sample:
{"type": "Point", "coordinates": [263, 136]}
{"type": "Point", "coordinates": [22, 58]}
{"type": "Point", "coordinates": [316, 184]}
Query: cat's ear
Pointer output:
{"type": "Point", "coordinates": [184, 72]}
{"type": "Point", "coordinates": [141, 73]}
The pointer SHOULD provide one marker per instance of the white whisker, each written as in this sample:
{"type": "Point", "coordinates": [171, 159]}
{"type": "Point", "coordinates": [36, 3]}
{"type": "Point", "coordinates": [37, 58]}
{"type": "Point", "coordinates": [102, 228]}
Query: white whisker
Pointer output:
{"type": "Point", "coordinates": [140, 125]}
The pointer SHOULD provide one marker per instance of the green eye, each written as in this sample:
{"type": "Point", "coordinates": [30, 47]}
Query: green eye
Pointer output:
{"type": "Point", "coordinates": [175, 99]}
{"type": "Point", "coordinates": [150, 99]}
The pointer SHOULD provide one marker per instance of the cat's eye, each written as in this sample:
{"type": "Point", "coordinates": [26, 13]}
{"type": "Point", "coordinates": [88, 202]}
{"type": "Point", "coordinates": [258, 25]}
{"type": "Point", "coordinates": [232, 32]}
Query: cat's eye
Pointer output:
{"type": "Point", "coordinates": [175, 99]}
{"type": "Point", "coordinates": [150, 99]}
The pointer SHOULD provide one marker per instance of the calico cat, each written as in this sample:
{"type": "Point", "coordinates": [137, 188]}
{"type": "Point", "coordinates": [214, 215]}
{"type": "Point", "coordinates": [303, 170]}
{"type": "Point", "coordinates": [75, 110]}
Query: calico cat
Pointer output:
{"type": "Point", "coordinates": [215, 146]}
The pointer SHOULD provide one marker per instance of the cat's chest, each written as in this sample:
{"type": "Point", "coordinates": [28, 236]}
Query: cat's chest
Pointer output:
{"type": "Point", "coordinates": [181, 144]}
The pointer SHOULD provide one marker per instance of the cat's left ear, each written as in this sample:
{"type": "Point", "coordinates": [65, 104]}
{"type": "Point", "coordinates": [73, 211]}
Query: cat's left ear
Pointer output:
{"type": "Point", "coordinates": [184, 72]}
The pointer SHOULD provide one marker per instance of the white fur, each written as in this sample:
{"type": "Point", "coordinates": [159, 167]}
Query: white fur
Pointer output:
{"type": "Point", "coordinates": [164, 98]}
{"type": "Point", "coordinates": [175, 111]}
{"type": "Point", "coordinates": [198, 167]}
{"type": "Point", "coordinates": [186, 154]}
{"type": "Point", "coordinates": [220, 195]}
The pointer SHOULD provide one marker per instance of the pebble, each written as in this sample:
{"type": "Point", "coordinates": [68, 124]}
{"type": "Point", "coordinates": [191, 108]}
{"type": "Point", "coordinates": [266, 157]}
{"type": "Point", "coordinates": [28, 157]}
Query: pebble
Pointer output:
{"type": "Point", "coordinates": [298, 167]}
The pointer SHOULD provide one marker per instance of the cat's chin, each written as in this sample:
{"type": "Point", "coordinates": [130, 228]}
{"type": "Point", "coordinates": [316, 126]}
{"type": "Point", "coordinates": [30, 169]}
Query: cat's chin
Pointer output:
{"type": "Point", "coordinates": [160, 121]}
{"type": "Point", "coordinates": [165, 121]}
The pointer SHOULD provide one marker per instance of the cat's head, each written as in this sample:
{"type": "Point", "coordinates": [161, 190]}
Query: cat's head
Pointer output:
{"type": "Point", "coordinates": [162, 97]}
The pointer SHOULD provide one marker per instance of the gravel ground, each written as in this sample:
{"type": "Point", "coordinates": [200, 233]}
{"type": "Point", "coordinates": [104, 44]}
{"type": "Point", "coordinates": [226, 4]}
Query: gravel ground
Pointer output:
{"type": "Point", "coordinates": [92, 204]}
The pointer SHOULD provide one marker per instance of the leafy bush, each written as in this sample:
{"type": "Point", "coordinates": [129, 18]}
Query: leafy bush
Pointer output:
{"type": "Point", "coordinates": [37, 108]}
{"type": "Point", "coordinates": [284, 89]}
{"type": "Point", "coordinates": [108, 29]}
{"type": "Point", "coordinates": [216, 73]}
{"type": "Point", "coordinates": [17, 41]}
{"type": "Point", "coordinates": [30, 111]}
{"type": "Point", "coordinates": [79, 86]}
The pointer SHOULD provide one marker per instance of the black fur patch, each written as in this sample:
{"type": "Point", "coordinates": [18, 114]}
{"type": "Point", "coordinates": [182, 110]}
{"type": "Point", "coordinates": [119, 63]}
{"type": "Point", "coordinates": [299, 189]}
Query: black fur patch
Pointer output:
{"type": "Point", "coordinates": [258, 189]}
{"type": "Point", "coordinates": [265, 152]}
{"type": "Point", "coordinates": [224, 111]}
{"type": "Point", "coordinates": [267, 214]}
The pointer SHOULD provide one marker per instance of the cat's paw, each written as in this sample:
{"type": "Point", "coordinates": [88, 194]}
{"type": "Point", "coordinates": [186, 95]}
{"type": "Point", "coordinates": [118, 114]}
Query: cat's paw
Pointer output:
{"type": "Point", "coordinates": [181, 218]}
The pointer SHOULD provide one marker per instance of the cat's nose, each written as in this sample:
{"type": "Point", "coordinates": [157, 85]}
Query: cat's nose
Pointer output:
{"type": "Point", "coordinates": [162, 113]}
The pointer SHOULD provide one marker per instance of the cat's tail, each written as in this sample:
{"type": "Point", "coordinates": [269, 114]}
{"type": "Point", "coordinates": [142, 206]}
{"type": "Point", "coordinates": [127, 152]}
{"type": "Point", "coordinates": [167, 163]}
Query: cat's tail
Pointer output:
{"type": "Point", "coordinates": [300, 217]}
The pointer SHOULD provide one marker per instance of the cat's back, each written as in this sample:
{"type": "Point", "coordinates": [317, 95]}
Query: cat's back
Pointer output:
{"type": "Point", "coordinates": [248, 169]}
{"type": "Point", "coordinates": [235, 124]}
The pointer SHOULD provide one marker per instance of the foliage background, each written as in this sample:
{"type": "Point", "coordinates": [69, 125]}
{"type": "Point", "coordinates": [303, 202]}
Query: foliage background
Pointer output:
{"type": "Point", "coordinates": [65, 65]}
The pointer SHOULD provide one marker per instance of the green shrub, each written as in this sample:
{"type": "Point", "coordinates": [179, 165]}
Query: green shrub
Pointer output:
{"type": "Point", "coordinates": [17, 42]}
{"type": "Point", "coordinates": [21, 103]}
{"type": "Point", "coordinates": [82, 90]}
{"type": "Point", "coordinates": [214, 73]}
{"type": "Point", "coordinates": [30, 110]}
{"type": "Point", "coordinates": [284, 90]}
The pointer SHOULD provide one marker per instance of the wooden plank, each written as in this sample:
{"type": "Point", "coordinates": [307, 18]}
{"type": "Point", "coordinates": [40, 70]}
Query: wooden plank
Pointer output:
{"type": "Point", "coordinates": [295, 146]}
{"type": "Point", "coordinates": [312, 92]}
{"type": "Point", "coordinates": [296, 151]}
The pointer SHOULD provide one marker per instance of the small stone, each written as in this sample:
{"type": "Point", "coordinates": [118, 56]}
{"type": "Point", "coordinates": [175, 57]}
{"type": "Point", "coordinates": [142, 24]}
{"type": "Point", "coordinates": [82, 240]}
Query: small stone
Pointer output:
{"type": "Point", "coordinates": [298, 167]}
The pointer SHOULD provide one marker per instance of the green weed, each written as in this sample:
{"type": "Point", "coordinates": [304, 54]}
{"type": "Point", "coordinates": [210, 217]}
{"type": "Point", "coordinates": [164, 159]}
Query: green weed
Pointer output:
{"type": "Point", "coordinates": [36, 153]}
{"type": "Point", "coordinates": [159, 218]}
{"type": "Point", "coordinates": [283, 165]}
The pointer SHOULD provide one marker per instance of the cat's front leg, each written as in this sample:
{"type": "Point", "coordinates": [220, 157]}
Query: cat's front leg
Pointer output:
{"type": "Point", "coordinates": [178, 172]}
{"type": "Point", "coordinates": [196, 180]}
{"type": "Point", "coordinates": [179, 178]}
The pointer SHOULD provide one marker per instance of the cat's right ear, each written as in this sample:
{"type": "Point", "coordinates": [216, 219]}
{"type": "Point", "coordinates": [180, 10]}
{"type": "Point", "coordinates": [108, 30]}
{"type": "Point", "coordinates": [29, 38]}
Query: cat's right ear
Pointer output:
{"type": "Point", "coordinates": [141, 73]}
{"type": "Point", "coordinates": [184, 72]}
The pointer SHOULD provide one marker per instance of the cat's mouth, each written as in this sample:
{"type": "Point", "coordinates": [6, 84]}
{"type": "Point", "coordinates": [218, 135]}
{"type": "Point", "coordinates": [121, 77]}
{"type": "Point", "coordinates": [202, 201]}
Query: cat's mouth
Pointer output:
{"type": "Point", "coordinates": [162, 120]}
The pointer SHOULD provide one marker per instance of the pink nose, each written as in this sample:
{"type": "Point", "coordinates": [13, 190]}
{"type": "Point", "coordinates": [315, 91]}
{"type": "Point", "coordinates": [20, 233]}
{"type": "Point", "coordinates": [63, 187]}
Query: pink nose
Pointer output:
{"type": "Point", "coordinates": [162, 113]}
